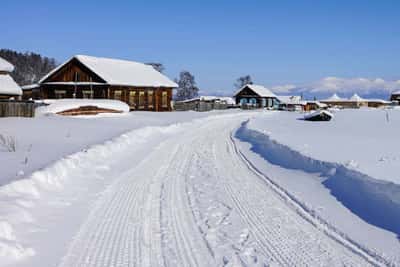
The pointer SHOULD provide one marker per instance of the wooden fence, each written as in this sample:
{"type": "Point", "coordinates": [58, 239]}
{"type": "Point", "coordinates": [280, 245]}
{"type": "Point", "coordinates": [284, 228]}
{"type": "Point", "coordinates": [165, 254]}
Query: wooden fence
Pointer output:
{"type": "Point", "coordinates": [14, 108]}
{"type": "Point", "coordinates": [200, 106]}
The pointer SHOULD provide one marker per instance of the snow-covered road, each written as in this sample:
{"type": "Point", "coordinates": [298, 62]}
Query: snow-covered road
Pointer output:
{"type": "Point", "coordinates": [196, 201]}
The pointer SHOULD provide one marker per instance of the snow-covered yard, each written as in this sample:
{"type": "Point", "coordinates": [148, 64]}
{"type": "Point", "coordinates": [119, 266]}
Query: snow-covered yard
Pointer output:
{"type": "Point", "coordinates": [229, 188]}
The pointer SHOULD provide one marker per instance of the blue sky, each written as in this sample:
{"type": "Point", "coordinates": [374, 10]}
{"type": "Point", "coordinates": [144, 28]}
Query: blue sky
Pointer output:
{"type": "Point", "coordinates": [276, 42]}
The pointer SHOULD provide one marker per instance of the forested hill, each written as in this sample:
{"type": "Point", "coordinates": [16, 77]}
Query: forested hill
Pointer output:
{"type": "Point", "coordinates": [29, 67]}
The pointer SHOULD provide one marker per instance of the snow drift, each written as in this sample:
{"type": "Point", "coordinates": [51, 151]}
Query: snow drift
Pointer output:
{"type": "Point", "coordinates": [375, 201]}
{"type": "Point", "coordinates": [57, 106]}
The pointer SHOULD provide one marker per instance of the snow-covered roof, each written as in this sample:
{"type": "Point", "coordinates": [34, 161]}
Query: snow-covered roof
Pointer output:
{"type": "Point", "coordinates": [318, 112]}
{"type": "Point", "coordinates": [357, 98]}
{"type": "Point", "coordinates": [8, 86]}
{"type": "Point", "coordinates": [6, 66]}
{"type": "Point", "coordinates": [259, 90]}
{"type": "Point", "coordinates": [291, 100]}
{"type": "Point", "coordinates": [121, 72]}
{"type": "Point", "coordinates": [396, 93]}
{"type": "Point", "coordinates": [30, 86]}
{"type": "Point", "coordinates": [319, 104]}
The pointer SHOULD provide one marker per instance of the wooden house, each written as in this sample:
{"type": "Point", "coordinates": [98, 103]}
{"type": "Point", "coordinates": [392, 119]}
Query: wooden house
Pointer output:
{"type": "Point", "coordinates": [8, 87]}
{"type": "Point", "coordinates": [256, 96]}
{"type": "Point", "coordinates": [314, 105]}
{"type": "Point", "coordinates": [137, 84]}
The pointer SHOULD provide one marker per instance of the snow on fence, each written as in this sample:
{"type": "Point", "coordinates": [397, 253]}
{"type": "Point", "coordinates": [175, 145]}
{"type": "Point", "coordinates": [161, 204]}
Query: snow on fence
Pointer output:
{"type": "Point", "coordinates": [13, 108]}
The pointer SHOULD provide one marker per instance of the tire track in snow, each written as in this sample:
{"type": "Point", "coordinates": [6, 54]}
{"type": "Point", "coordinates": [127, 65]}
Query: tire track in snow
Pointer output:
{"type": "Point", "coordinates": [147, 218]}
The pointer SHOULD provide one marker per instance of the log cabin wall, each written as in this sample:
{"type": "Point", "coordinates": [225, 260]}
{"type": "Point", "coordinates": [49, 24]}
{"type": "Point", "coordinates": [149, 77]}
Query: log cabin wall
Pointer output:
{"type": "Point", "coordinates": [74, 71]}
{"type": "Point", "coordinates": [146, 99]}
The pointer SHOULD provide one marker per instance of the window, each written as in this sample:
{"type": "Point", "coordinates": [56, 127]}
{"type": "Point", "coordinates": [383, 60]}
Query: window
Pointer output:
{"type": "Point", "coordinates": [150, 101]}
{"type": "Point", "coordinates": [164, 99]}
{"type": "Point", "coordinates": [60, 94]}
{"type": "Point", "coordinates": [141, 99]}
{"type": "Point", "coordinates": [132, 100]}
{"type": "Point", "coordinates": [118, 94]}
{"type": "Point", "coordinates": [87, 94]}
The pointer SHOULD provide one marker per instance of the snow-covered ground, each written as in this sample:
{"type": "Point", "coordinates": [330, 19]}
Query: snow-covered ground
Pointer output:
{"type": "Point", "coordinates": [366, 140]}
{"type": "Point", "coordinates": [55, 106]}
{"type": "Point", "coordinates": [175, 189]}
{"type": "Point", "coordinates": [43, 140]}
{"type": "Point", "coordinates": [344, 171]}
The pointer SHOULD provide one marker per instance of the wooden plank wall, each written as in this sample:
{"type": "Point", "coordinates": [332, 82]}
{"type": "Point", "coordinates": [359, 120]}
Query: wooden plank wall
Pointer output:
{"type": "Point", "coordinates": [17, 109]}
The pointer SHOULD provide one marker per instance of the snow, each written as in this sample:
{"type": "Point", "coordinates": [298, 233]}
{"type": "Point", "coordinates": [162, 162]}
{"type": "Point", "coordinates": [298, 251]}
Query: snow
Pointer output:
{"type": "Point", "coordinates": [357, 98]}
{"type": "Point", "coordinates": [175, 195]}
{"type": "Point", "coordinates": [319, 104]}
{"type": "Point", "coordinates": [184, 189]}
{"type": "Point", "coordinates": [345, 170]}
{"type": "Point", "coordinates": [56, 106]}
{"type": "Point", "coordinates": [8, 86]}
{"type": "Point", "coordinates": [121, 72]}
{"type": "Point", "coordinates": [294, 100]}
{"type": "Point", "coordinates": [5, 66]}
{"type": "Point", "coordinates": [396, 93]}
{"type": "Point", "coordinates": [318, 112]}
{"type": "Point", "coordinates": [30, 86]}
{"type": "Point", "coordinates": [334, 98]}
{"type": "Point", "coordinates": [367, 136]}
{"type": "Point", "coordinates": [259, 90]}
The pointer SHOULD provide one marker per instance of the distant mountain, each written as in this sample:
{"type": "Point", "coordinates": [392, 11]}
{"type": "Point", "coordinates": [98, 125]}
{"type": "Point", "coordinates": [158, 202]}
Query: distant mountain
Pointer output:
{"type": "Point", "coordinates": [29, 67]}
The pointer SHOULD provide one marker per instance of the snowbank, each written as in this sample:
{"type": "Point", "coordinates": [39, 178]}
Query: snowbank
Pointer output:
{"type": "Point", "coordinates": [56, 106]}
{"type": "Point", "coordinates": [365, 140]}
{"type": "Point", "coordinates": [377, 202]}
{"type": "Point", "coordinates": [8, 86]}
{"type": "Point", "coordinates": [6, 66]}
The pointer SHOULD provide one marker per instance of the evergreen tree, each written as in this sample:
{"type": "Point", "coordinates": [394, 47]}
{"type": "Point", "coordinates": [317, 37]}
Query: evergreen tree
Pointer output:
{"type": "Point", "coordinates": [187, 88]}
{"type": "Point", "coordinates": [242, 81]}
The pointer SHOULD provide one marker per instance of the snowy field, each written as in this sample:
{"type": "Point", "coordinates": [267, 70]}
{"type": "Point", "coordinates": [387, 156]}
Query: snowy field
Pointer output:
{"type": "Point", "coordinates": [344, 171]}
{"type": "Point", "coordinates": [229, 188]}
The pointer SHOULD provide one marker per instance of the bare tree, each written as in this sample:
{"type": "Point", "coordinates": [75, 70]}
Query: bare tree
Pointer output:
{"type": "Point", "coordinates": [242, 81]}
{"type": "Point", "coordinates": [157, 66]}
